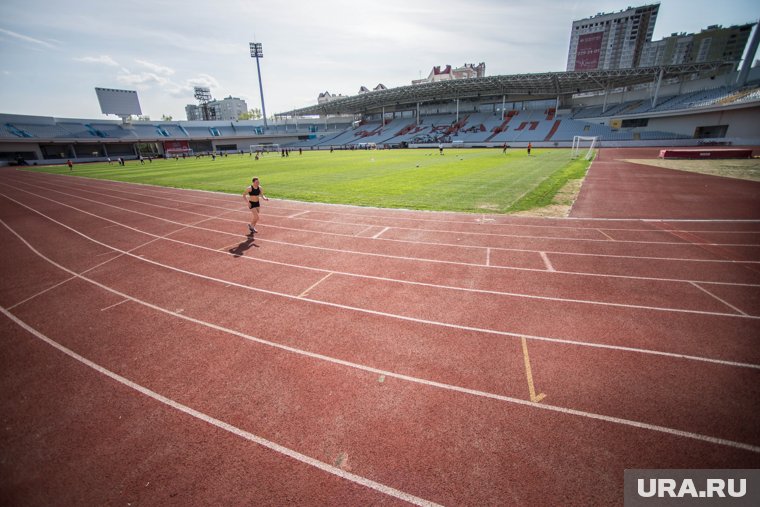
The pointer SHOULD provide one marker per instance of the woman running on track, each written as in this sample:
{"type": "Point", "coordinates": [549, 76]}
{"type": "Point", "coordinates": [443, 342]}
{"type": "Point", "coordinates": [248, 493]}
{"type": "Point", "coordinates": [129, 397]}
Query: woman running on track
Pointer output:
{"type": "Point", "coordinates": [251, 195]}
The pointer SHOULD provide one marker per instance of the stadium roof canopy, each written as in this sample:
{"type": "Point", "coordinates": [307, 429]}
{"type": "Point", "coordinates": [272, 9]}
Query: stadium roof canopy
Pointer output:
{"type": "Point", "coordinates": [515, 87]}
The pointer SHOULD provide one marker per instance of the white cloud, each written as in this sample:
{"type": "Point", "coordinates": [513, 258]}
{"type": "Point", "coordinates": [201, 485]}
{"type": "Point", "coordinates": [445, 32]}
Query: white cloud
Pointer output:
{"type": "Point", "coordinates": [102, 59]}
{"type": "Point", "coordinates": [26, 38]}
{"type": "Point", "coordinates": [142, 80]}
{"type": "Point", "coordinates": [203, 80]}
{"type": "Point", "coordinates": [158, 69]}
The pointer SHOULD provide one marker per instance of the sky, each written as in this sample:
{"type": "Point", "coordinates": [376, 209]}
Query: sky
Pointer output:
{"type": "Point", "coordinates": [53, 53]}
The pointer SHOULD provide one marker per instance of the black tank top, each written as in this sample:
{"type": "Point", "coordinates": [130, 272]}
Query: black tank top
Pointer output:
{"type": "Point", "coordinates": [254, 191]}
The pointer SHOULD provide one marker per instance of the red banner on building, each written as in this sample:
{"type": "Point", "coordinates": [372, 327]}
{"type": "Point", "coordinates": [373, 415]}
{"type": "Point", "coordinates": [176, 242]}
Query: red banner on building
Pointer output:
{"type": "Point", "coordinates": [176, 145]}
{"type": "Point", "coordinates": [589, 49]}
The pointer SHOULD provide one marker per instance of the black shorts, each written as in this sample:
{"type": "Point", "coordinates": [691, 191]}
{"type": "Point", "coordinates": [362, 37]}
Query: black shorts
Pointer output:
{"type": "Point", "coordinates": [252, 204]}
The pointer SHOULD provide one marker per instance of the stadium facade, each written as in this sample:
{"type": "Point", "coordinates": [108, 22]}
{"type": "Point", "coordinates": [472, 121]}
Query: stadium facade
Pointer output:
{"type": "Point", "coordinates": [621, 108]}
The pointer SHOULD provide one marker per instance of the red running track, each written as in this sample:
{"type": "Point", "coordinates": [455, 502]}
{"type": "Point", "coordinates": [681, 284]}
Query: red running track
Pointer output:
{"type": "Point", "coordinates": [152, 354]}
{"type": "Point", "coordinates": [615, 188]}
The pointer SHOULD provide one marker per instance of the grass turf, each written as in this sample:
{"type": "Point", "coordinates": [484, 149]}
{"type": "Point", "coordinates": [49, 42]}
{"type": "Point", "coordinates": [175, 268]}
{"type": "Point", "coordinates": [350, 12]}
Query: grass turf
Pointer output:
{"type": "Point", "coordinates": [474, 180]}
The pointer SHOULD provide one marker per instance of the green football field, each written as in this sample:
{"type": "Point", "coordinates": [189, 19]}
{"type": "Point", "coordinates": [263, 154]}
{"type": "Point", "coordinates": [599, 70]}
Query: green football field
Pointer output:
{"type": "Point", "coordinates": [475, 180]}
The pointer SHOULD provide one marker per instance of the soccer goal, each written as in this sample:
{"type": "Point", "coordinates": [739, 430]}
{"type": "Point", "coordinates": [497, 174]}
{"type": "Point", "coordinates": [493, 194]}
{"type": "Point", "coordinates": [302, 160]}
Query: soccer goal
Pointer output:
{"type": "Point", "coordinates": [178, 152]}
{"type": "Point", "coordinates": [264, 148]}
{"type": "Point", "coordinates": [584, 143]}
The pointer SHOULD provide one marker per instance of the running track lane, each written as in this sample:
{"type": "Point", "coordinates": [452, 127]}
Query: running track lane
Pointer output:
{"type": "Point", "coordinates": [659, 327]}
{"type": "Point", "coordinates": [117, 307]}
{"type": "Point", "coordinates": [696, 249]}
{"type": "Point", "coordinates": [559, 285]}
{"type": "Point", "coordinates": [175, 298]}
{"type": "Point", "coordinates": [447, 447]}
{"type": "Point", "coordinates": [72, 437]}
{"type": "Point", "coordinates": [614, 188]}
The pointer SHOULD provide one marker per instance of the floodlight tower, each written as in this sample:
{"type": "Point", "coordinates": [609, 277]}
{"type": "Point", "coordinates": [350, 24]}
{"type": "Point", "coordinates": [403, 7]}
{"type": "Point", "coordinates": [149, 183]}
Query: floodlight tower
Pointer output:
{"type": "Point", "coordinates": [203, 95]}
{"type": "Point", "coordinates": [257, 52]}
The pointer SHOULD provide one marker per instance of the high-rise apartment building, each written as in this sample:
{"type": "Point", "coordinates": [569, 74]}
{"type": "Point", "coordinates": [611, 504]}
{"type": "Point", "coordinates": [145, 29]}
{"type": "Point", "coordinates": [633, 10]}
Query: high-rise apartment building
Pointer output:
{"type": "Point", "coordinates": [611, 40]}
{"type": "Point", "coordinates": [713, 43]}
{"type": "Point", "coordinates": [229, 108]}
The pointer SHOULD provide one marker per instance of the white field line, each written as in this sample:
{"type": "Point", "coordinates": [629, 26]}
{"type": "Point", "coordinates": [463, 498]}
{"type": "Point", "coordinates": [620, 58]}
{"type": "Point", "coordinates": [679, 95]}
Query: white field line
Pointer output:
{"type": "Point", "coordinates": [475, 247]}
{"type": "Point", "coordinates": [111, 252]}
{"type": "Point", "coordinates": [718, 298]}
{"type": "Point", "coordinates": [116, 224]}
{"type": "Point", "coordinates": [359, 234]}
{"type": "Point", "coordinates": [607, 235]}
{"type": "Point", "coordinates": [377, 371]}
{"type": "Point", "coordinates": [380, 233]}
{"type": "Point", "coordinates": [363, 481]}
{"type": "Point", "coordinates": [43, 292]}
{"type": "Point", "coordinates": [548, 263]}
{"type": "Point", "coordinates": [385, 279]}
{"type": "Point", "coordinates": [225, 197]}
{"type": "Point", "coordinates": [486, 234]}
{"type": "Point", "coordinates": [357, 252]}
{"type": "Point", "coordinates": [679, 243]}
{"type": "Point", "coordinates": [114, 305]}
{"type": "Point", "coordinates": [301, 295]}
{"type": "Point", "coordinates": [228, 283]}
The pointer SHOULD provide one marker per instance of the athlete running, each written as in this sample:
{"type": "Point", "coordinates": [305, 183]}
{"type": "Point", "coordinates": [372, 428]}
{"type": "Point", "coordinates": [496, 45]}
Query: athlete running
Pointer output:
{"type": "Point", "coordinates": [251, 196]}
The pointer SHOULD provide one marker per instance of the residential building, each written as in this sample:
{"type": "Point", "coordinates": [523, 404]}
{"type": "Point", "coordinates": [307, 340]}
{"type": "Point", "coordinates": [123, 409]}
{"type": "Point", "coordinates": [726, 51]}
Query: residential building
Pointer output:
{"type": "Point", "coordinates": [611, 40]}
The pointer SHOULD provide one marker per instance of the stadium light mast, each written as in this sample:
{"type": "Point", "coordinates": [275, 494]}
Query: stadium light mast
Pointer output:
{"type": "Point", "coordinates": [257, 52]}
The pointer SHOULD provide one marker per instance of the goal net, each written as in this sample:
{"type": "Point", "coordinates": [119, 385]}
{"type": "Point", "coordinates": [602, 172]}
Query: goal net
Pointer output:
{"type": "Point", "coordinates": [584, 144]}
{"type": "Point", "coordinates": [178, 152]}
{"type": "Point", "coordinates": [264, 148]}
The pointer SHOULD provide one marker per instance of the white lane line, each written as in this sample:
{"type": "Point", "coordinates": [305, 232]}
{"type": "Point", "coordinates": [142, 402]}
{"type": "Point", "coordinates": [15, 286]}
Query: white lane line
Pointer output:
{"type": "Point", "coordinates": [448, 245]}
{"type": "Point", "coordinates": [417, 259]}
{"type": "Point", "coordinates": [607, 235]}
{"type": "Point", "coordinates": [377, 371]}
{"type": "Point", "coordinates": [407, 282]}
{"type": "Point", "coordinates": [364, 230]}
{"type": "Point", "coordinates": [110, 252]}
{"type": "Point", "coordinates": [114, 305]}
{"type": "Point", "coordinates": [547, 262]}
{"type": "Point", "coordinates": [379, 233]}
{"type": "Point", "coordinates": [314, 285]}
{"type": "Point", "coordinates": [488, 256]}
{"type": "Point", "coordinates": [472, 247]}
{"type": "Point", "coordinates": [228, 283]}
{"type": "Point", "coordinates": [307, 460]}
{"type": "Point", "coordinates": [298, 214]}
{"type": "Point", "coordinates": [173, 192]}
{"type": "Point", "coordinates": [42, 292]}
{"type": "Point", "coordinates": [556, 238]}
{"type": "Point", "coordinates": [718, 298]}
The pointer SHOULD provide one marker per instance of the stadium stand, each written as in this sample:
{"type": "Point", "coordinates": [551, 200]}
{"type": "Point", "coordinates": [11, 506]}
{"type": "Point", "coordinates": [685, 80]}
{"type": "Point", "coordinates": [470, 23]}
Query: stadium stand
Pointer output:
{"type": "Point", "coordinates": [624, 118]}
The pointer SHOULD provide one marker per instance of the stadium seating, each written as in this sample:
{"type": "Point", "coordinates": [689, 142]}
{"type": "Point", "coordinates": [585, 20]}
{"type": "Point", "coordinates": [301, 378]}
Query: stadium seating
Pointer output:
{"type": "Point", "coordinates": [11, 131]}
{"type": "Point", "coordinates": [470, 127]}
{"type": "Point", "coordinates": [112, 130]}
{"type": "Point", "coordinates": [44, 131]}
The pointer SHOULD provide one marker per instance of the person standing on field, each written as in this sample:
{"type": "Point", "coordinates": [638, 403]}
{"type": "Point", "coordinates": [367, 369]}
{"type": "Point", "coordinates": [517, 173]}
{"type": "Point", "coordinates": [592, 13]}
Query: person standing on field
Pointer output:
{"type": "Point", "coordinates": [252, 195]}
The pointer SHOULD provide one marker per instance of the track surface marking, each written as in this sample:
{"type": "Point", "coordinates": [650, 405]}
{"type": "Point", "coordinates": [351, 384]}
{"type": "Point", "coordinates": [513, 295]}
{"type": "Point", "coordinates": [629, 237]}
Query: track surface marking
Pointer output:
{"type": "Point", "coordinates": [377, 356]}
